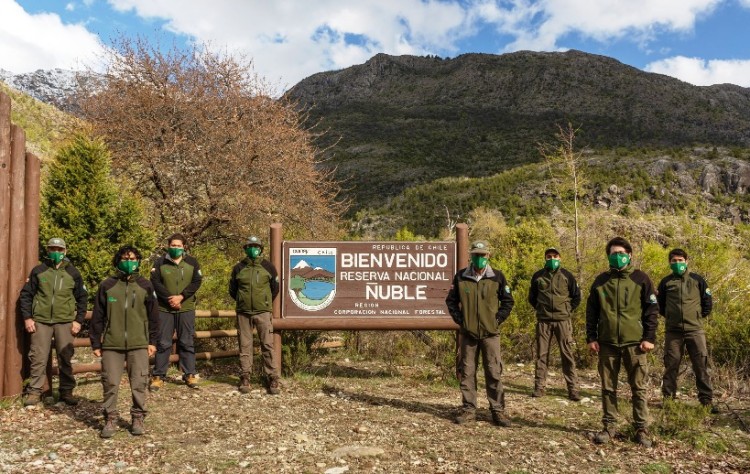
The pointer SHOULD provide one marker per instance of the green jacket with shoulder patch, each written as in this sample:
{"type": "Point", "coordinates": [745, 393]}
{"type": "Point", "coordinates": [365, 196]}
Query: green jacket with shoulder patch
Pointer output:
{"type": "Point", "coordinates": [253, 285]}
{"type": "Point", "coordinates": [621, 309]}
{"type": "Point", "coordinates": [54, 295]}
{"type": "Point", "coordinates": [170, 278]}
{"type": "Point", "coordinates": [554, 295]}
{"type": "Point", "coordinates": [684, 301]}
{"type": "Point", "coordinates": [479, 303]}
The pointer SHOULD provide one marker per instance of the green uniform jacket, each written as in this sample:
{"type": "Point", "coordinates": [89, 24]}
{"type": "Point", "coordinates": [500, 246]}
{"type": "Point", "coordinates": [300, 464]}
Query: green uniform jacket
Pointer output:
{"type": "Point", "coordinates": [684, 301]}
{"type": "Point", "coordinates": [54, 295]}
{"type": "Point", "coordinates": [126, 314]}
{"type": "Point", "coordinates": [480, 305]}
{"type": "Point", "coordinates": [621, 309]}
{"type": "Point", "coordinates": [253, 285]}
{"type": "Point", "coordinates": [554, 295]}
{"type": "Point", "coordinates": [170, 279]}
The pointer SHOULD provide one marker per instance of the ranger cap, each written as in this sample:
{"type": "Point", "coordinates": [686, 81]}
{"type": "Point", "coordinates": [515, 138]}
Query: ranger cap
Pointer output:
{"type": "Point", "coordinates": [56, 242]}
{"type": "Point", "coordinates": [253, 240]}
{"type": "Point", "coordinates": [480, 247]}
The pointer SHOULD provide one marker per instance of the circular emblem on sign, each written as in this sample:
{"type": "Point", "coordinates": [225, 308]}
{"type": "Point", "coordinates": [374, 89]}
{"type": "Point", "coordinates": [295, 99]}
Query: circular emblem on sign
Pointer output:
{"type": "Point", "coordinates": [312, 278]}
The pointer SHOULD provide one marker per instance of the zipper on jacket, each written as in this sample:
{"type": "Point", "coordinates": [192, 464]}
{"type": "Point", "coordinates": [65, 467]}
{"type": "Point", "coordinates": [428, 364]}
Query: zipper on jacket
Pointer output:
{"type": "Point", "coordinates": [127, 285]}
{"type": "Point", "coordinates": [617, 292]}
{"type": "Point", "coordinates": [682, 313]}
{"type": "Point", "coordinates": [52, 301]}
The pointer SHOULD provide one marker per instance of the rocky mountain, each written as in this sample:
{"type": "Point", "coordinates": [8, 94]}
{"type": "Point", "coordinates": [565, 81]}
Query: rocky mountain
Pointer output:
{"type": "Point", "coordinates": [57, 87]}
{"type": "Point", "coordinates": [394, 122]}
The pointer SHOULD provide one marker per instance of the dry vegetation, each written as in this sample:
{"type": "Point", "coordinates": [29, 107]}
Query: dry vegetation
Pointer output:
{"type": "Point", "coordinates": [343, 415]}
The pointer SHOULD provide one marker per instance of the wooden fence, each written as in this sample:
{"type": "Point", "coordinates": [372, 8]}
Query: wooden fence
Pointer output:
{"type": "Point", "coordinates": [19, 242]}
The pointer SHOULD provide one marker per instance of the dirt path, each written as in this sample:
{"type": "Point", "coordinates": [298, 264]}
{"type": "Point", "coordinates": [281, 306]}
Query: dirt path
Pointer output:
{"type": "Point", "coordinates": [351, 417]}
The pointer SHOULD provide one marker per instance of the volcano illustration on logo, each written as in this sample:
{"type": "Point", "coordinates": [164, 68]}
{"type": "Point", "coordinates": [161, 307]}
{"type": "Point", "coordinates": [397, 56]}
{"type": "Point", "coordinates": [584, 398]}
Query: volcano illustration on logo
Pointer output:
{"type": "Point", "coordinates": [312, 277]}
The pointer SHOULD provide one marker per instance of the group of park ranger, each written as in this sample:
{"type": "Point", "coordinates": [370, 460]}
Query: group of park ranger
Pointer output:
{"type": "Point", "coordinates": [621, 321]}
{"type": "Point", "coordinates": [135, 318]}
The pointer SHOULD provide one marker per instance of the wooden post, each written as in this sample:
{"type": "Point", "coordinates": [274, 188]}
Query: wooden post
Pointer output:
{"type": "Point", "coordinates": [32, 198]}
{"type": "Point", "coordinates": [13, 380]}
{"type": "Point", "coordinates": [4, 225]}
{"type": "Point", "coordinates": [462, 259]}
{"type": "Point", "coordinates": [276, 254]}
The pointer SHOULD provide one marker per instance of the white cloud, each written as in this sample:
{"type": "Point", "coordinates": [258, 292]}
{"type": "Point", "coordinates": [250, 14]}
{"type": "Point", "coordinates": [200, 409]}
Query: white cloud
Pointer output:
{"type": "Point", "coordinates": [42, 41]}
{"type": "Point", "coordinates": [290, 40]}
{"type": "Point", "coordinates": [540, 25]}
{"type": "Point", "coordinates": [70, 6]}
{"type": "Point", "coordinates": [701, 72]}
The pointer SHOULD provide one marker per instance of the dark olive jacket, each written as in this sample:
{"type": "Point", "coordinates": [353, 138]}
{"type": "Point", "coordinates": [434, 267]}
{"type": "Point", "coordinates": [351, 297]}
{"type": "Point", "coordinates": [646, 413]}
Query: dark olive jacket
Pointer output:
{"type": "Point", "coordinates": [126, 314]}
{"type": "Point", "coordinates": [54, 295]}
{"type": "Point", "coordinates": [171, 279]}
{"type": "Point", "coordinates": [479, 304]}
{"type": "Point", "coordinates": [253, 285]}
{"type": "Point", "coordinates": [684, 301]}
{"type": "Point", "coordinates": [554, 295]}
{"type": "Point", "coordinates": [621, 309]}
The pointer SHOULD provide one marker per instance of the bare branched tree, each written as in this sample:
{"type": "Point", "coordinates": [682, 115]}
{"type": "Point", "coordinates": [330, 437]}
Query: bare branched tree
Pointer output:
{"type": "Point", "coordinates": [564, 163]}
{"type": "Point", "coordinates": [203, 140]}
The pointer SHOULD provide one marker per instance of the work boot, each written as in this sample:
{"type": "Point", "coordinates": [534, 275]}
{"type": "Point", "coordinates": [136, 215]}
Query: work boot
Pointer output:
{"type": "Point", "coordinates": [244, 386]}
{"type": "Point", "coordinates": [604, 436]}
{"type": "Point", "coordinates": [31, 399]}
{"type": "Point", "coordinates": [110, 425]}
{"type": "Point", "coordinates": [155, 383]}
{"type": "Point", "coordinates": [574, 395]}
{"type": "Point", "coordinates": [274, 388]}
{"type": "Point", "coordinates": [713, 409]}
{"type": "Point", "coordinates": [499, 419]}
{"type": "Point", "coordinates": [642, 438]}
{"type": "Point", "coordinates": [538, 392]}
{"type": "Point", "coordinates": [191, 380]}
{"type": "Point", "coordinates": [136, 427]}
{"type": "Point", "coordinates": [466, 416]}
{"type": "Point", "coordinates": [67, 397]}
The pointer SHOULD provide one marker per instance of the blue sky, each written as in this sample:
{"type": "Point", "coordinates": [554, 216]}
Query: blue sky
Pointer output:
{"type": "Point", "coordinates": [702, 42]}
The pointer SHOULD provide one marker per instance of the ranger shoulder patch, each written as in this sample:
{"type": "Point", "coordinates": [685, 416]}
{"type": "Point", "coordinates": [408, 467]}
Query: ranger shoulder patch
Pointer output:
{"type": "Point", "coordinates": [507, 289]}
{"type": "Point", "coordinates": [708, 291]}
{"type": "Point", "coordinates": [652, 298]}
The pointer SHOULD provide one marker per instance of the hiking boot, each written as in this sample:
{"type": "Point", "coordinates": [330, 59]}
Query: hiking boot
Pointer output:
{"type": "Point", "coordinates": [466, 416]}
{"type": "Point", "coordinates": [573, 395]}
{"type": "Point", "coordinates": [110, 426]}
{"type": "Point", "coordinates": [67, 397]}
{"type": "Point", "coordinates": [31, 399]}
{"type": "Point", "coordinates": [642, 438]}
{"type": "Point", "coordinates": [244, 386]}
{"type": "Point", "coordinates": [604, 436]}
{"type": "Point", "coordinates": [155, 383]}
{"type": "Point", "coordinates": [274, 388]}
{"type": "Point", "coordinates": [191, 380]}
{"type": "Point", "coordinates": [499, 419]}
{"type": "Point", "coordinates": [537, 393]}
{"type": "Point", "coordinates": [713, 409]}
{"type": "Point", "coordinates": [136, 427]}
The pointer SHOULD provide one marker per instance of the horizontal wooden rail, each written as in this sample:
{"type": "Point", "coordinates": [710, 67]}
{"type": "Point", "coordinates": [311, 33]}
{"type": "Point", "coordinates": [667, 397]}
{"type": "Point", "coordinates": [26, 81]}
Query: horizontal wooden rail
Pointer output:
{"type": "Point", "coordinates": [97, 367]}
{"type": "Point", "coordinates": [86, 342]}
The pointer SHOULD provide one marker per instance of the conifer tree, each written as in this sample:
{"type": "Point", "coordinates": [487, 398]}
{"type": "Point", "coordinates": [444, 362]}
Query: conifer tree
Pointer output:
{"type": "Point", "coordinates": [84, 205]}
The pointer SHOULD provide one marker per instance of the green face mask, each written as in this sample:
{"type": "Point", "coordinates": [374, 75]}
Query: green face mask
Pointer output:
{"type": "Point", "coordinates": [552, 264]}
{"type": "Point", "coordinates": [619, 260]}
{"type": "Point", "coordinates": [175, 252]}
{"type": "Point", "coordinates": [128, 267]}
{"type": "Point", "coordinates": [253, 252]}
{"type": "Point", "coordinates": [678, 268]}
{"type": "Point", "coordinates": [56, 257]}
{"type": "Point", "coordinates": [479, 261]}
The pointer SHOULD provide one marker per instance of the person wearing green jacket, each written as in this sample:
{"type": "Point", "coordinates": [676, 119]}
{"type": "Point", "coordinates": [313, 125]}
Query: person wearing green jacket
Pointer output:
{"type": "Point", "coordinates": [685, 300]}
{"type": "Point", "coordinates": [124, 329]}
{"type": "Point", "coordinates": [621, 319]}
{"type": "Point", "coordinates": [53, 304]}
{"type": "Point", "coordinates": [176, 277]}
{"type": "Point", "coordinates": [554, 295]}
{"type": "Point", "coordinates": [479, 300]}
{"type": "Point", "coordinates": [253, 285]}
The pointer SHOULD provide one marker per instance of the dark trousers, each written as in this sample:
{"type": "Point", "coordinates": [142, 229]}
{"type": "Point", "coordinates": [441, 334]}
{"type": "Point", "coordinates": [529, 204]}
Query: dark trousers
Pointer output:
{"type": "Point", "coordinates": [489, 348]}
{"type": "Point", "coordinates": [184, 323]}
{"type": "Point", "coordinates": [41, 345]}
{"type": "Point", "coordinates": [113, 363]}
{"type": "Point", "coordinates": [562, 331]}
{"type": "Point", "coordinates": [633, 359]}
{"type": "Point", "coordinates": [674, 349]}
